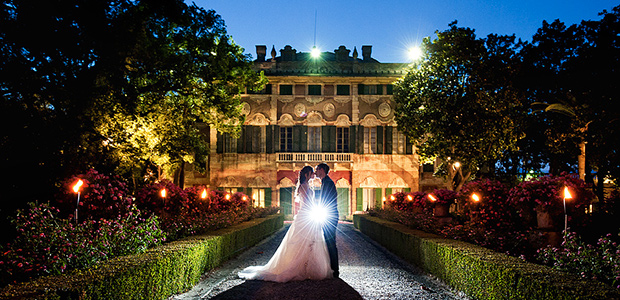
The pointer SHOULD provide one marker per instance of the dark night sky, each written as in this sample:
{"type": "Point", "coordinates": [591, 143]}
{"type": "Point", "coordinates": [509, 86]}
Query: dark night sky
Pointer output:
{"type": "Point", "coordinates": [391, 27]}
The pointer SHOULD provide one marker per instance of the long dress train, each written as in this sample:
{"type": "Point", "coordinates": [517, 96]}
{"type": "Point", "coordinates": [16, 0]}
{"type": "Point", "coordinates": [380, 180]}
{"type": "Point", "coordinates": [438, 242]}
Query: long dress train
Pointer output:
{"type": "Point", "coordinates": [302, 254]}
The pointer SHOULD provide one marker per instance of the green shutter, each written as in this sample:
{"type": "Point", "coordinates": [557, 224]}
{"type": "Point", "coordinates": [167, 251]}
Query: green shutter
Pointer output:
{"type": "Point", "coordinates": [286, 200]}
{"type": "Point", "coordinates": [267, 197]}
{"type": "Point", "coordinates": [407, 190]}
{"type": "Point", "coordinates": [360, 199]}
{"type": "Point", "coordinates": [275, 135]}
{"type": "Point", "coordinates": [360, 89]}
{"type": "Point", "coordinates": [408, 146]}
{"type": "Point", "coordinates": [240, 141]}
{"type": "Point", "coordinates": [360, 139]}
{"type": "Point", "coordinates": [352, 139]}
{"type": "Point", "coordinates": [343, 202]}
{"type": "Point", "coordinates": [328, 138]}
{"type": "Point", "coordinates": [379, 89]}
{"type": "Point", "coordinates": [248, 192]}
{"type": "Point", "coordinates": [388, 140]}
{"type": "Point", "coordinates": [220, 142]}
{"type": "Point", "coordinates": [378, 198]}
{"type": "Point", "coordinates": [249, 138]}
{"type": "Point", "coordinates": [379, 140]}
{"type": "Point", "coordinates": [256, 139]}
{"type": "Point", "coordinates": [388, 192]}
{"type": "Point", "coordinates": [298, 137]}
{"type": "Point", "coordinates": [269, 139]}
{"type": "Point", "coordinates": [389, 89]}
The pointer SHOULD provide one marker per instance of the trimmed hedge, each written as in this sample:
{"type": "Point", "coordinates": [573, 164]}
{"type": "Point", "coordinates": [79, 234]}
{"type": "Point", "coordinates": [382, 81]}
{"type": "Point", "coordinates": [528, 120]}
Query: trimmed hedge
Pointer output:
{"type": "Point", "coordinates": [156, 274]}
{"type": "Point", "coordinates": [479, 272]}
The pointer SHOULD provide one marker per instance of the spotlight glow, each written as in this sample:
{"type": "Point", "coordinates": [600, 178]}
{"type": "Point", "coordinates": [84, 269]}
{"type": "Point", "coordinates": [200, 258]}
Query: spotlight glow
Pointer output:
{"type": "Point", "coordinates": [315, 52]}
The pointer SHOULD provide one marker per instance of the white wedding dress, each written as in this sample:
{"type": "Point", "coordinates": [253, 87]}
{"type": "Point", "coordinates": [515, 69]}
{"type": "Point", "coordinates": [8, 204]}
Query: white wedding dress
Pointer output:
{"type": "Point", "coordinates": [302, 254]}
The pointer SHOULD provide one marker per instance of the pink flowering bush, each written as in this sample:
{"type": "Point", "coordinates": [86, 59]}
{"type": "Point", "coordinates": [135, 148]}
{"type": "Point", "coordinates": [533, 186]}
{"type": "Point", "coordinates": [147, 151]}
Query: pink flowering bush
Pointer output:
{"type": "Point", "coordinates": [412, 202]}
{"type": "Point", "coordinates": [48, 244]}
{"type": "Point", "coordinates": [598, 262]}
{"type": "Point", "coordinates": [443, 197]}
{"type": "Point", "coordinates": [545, 194]}
{"type": "Point", "coordinates": [101, 196]}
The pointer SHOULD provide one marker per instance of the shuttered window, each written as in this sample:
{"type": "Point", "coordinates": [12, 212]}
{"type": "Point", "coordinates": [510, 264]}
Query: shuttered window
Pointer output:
{"type": "Point", "coordinates": [314, 90]}
{"type": "Point", "coordinates": [343, 90]}
{"type": "Point", "coordinates": [286, 89]}
{"type": "Point", "coordinates": [286, 139]}
{"type": "Point", "coordinates": [342, 136]}
{"type": "Point", "coordinates": [314, 139]}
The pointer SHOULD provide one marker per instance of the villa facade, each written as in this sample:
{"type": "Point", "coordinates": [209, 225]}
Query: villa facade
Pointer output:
{"type": "Point", "coordinates": [335, 108]}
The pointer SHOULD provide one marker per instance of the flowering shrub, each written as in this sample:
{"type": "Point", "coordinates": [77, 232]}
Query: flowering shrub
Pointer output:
{"type": "Point", "coordinates": [101, 196]}
{"type": "Point", "coordinates": [47, 244]}
{"type": "Point", "coordinates": [174, 204]}
{"type": "Point", "coordinates": [490, 211]}
{"type": "Point", "coordinates": [414, 202]}
{"type": "Point", "coordinates": [598, 262]}
{"type": "Point", "coordinates": [545, 194]}
{"type": "Point", "coordinates": [443, 197]}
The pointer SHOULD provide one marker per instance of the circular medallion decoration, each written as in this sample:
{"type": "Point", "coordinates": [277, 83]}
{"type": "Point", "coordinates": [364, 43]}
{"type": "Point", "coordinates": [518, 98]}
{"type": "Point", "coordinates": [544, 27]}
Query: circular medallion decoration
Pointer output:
{"type": "Point", "coordinates": [246, 108]}
{"type": "Point", "coordinates": [300, 110]}
{"type": "Point", "coordinates": [384, 109]}
{"type": "Point", "coordinates": [329, 109]}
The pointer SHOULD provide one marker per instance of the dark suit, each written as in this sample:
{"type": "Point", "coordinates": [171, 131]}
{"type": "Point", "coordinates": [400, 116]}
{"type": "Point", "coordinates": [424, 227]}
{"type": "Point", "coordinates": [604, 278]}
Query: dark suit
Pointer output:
{"type": "Point", "coordinates": [329, 196]}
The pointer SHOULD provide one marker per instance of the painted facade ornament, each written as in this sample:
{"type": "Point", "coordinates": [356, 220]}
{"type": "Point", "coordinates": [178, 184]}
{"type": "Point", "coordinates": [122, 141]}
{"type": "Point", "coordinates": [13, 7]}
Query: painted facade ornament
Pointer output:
{"type": "Point", "coordinates": [300, 110]}
{"type": "Point", "coordinates": [246, 108]}
{"type": "Point", "coordinates": [315, 119]}
{"type": "Point", "coordinates": [329, 110]}
{"type": "Point", "coordinates": [385, 109]}
{"type": "Point", "coordinates": [258, 119]}
{"type": "Point", "coordinates": [343, 121]}
{"type": "Point", "coordinates": [370, 120]}
{"type": "Point", "coordinates": [286, 120]}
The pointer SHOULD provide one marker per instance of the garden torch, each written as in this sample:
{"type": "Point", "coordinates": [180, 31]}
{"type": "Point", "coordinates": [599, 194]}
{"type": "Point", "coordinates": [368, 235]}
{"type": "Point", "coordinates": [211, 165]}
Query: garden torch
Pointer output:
{"type": "Point", "coordinates": [76, 189]}
{"type": "Point", "coordinates": [567, 195]}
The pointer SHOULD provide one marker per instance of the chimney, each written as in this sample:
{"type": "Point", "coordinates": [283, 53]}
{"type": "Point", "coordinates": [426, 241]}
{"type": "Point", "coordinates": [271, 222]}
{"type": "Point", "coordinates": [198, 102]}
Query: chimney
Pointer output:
{"type": "Point", "coordinates": [261, 52]}
{"type": "Point", "coordinates": [342, 53]}
{"type": "Point", "coordinates": [366, 50]}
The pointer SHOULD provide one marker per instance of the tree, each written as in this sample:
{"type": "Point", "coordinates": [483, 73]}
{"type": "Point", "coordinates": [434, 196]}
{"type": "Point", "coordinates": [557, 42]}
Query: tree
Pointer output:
{"type": "Point", "coordinates": [573, 74]}
{"type": "Point", "coordinates": [459, 101]}
{"type": "Point", "coordinates": [116, 85]}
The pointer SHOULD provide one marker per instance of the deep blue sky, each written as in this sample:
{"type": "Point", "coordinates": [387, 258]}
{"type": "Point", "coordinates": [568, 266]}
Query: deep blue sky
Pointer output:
{"type": "Point", "coordinates": [391, 27]}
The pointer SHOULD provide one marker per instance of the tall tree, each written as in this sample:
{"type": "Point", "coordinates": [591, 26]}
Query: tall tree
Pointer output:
{"type": "Point", "coordinates": [116, 85]}
{"type": "Point", "coordinates": [459, 101]}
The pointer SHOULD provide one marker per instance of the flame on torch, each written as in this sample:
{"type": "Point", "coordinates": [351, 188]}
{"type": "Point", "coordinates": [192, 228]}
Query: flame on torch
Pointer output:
{"type": "Point", "coordinates": [567, 194]}
{"type": "Point", "coordinates": [409, 198]}
{"type": "Point", "coordinates": [78, 184]}
{"type": "Point", "coordinates": [204, 194]}
{"type": "Point", "coordinates": [475, 197]}
{"type": "Point", "coordinates": [163, 193]}
{"type": "Point", "coordinates": [432, 198]}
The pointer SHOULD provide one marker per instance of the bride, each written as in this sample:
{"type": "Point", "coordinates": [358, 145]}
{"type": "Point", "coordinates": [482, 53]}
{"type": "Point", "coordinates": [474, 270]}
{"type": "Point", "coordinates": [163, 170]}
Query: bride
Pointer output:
{"type": "Point", "coordinates": [302, 254]}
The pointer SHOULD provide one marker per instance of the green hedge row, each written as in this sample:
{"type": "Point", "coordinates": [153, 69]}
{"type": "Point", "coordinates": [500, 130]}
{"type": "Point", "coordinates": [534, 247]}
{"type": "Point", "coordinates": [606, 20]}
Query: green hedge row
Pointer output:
{"type": "Point", "coordinates": [156, 274]}
{"type": "Point", "coordinates": [479, 272]}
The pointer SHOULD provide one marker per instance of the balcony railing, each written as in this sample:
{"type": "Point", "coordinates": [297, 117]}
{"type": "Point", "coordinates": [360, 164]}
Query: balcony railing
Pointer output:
{"type": "Point", "coordinates": [313, 157]}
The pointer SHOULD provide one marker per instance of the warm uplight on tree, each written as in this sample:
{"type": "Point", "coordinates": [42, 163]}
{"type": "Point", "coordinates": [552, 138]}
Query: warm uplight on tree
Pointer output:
{"type": "Point", "coordinates": [432, 198]}
{"type": "Point", "coordinates": [475, 197]}
{"type": "Point", "coordinates": [204, 194]}
{"type": "Point", "coordinates": [163, 193]}
{"type": "Point", "coordinates": [77, 185]}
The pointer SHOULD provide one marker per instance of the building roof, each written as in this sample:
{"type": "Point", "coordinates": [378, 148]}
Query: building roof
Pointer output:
{"type": "Point", "coordinates": [337, 63]}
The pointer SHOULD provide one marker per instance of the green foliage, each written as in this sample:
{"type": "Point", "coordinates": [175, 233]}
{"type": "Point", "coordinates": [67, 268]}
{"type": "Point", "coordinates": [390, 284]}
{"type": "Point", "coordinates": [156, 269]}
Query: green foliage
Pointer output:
{"type": "Point", "coordinates": [459, 101]}
{"type": "Point", "coordinates": [476, 271]}
{"type": "Point", "coordinates": [156, 274]}
{"type": "Point", "coordinates": [47, 244]}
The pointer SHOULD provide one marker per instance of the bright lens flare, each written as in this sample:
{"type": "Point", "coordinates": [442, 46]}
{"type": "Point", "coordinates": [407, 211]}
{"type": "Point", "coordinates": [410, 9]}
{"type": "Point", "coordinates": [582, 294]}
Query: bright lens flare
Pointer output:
{"type": "Point", "coordinates": [319, 213]}
{"type": "Point", "coordinates": [78, 184]}
{"type": "Point", "coordinates": [414, 53]}
{"type": "Point", "coordinates": [315, 52]}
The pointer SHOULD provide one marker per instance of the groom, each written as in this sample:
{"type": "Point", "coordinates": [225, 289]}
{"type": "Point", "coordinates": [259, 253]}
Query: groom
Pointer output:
{"type": "Point", "coordinates": [329, 198]}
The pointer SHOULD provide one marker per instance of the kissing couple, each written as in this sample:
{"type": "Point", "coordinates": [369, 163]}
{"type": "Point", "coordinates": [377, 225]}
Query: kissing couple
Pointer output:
{"type": "Point", "coordinates": [308, 250]}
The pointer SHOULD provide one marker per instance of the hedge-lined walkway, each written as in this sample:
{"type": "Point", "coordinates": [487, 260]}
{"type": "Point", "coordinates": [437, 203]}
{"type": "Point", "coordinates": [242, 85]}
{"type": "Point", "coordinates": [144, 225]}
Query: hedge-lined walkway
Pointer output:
{"type": "Point", "coordinates": [368, 271]}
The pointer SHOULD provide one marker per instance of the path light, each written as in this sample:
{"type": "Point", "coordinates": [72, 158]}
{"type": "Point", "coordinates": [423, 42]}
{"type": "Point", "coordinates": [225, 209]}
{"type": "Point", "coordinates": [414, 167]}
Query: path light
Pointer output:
{"type": "Point", "coordinates": [567, 195]}
{"type": "Point", "coordinates": [76, 189]}
{"type": "Point", "coordinates": [204, 194]}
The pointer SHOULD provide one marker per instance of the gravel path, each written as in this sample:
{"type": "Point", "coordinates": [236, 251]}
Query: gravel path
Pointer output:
{"type": "Point", "coordinates": [367, 271]}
